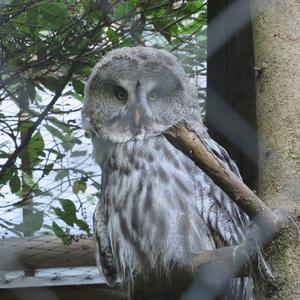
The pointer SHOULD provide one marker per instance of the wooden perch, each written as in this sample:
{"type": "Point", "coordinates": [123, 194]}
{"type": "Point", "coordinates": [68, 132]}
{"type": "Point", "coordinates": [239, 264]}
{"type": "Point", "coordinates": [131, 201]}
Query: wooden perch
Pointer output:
{"type": "Point", "coordinates": [48, 251]}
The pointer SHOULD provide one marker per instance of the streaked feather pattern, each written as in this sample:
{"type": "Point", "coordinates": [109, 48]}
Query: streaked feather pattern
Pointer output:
{"type": "Point", "coordinates": [162, 209]}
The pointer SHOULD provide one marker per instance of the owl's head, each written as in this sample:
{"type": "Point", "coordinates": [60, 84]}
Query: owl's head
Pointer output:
{"type": "Point", "coordinates": [133, 92]}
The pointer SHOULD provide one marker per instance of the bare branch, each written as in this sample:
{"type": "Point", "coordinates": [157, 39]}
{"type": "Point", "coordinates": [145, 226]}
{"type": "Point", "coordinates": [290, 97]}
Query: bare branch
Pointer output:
{"type": "Point", "coordinates": [192, 145]}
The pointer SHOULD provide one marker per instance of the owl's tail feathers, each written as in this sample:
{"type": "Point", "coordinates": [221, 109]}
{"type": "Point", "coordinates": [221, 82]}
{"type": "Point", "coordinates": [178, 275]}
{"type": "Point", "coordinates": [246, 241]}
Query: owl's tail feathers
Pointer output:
{"type": "Point", "coordinates": [240, 289]}
{"type": "Point", "coordinates": [210, 286]}
{"type": "Point", "coordinates": [106, 268]}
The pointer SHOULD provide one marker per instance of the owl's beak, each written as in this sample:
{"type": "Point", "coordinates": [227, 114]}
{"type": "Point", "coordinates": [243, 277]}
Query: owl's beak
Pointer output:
{"type": "Point", "coordinates": [136, 117]}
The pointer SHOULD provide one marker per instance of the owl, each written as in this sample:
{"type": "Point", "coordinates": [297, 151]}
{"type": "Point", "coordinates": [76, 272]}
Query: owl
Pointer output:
{"type": "Point", "coordinates": [157, 208]}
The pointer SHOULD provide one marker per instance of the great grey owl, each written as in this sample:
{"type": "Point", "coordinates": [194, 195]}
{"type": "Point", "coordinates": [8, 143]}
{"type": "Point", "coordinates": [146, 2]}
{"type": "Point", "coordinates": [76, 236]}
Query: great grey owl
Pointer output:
{"type": "Point", "coordinates": [157, 209]}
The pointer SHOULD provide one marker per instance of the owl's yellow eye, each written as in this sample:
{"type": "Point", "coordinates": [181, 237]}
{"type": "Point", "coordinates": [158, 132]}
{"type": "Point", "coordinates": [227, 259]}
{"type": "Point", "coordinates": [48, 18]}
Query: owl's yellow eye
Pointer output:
{"type": "Point", "coordinates": [121, 94]}
{"type": "Point", "coordinates": [153, 96]}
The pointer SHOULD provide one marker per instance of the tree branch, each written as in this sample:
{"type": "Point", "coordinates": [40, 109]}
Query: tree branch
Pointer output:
{"type": "Point", "coordinates": [48, 251]}
{"type": "Point", "coordinates": [192, 145]}
{"type": "Point", "coordinates": [11, 160]}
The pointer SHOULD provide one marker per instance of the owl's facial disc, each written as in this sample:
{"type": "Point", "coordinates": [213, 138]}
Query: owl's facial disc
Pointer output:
{"type": "Point", "coordinates": [130, 97]}
{"type": "Point", "coordinates": [139, 106]}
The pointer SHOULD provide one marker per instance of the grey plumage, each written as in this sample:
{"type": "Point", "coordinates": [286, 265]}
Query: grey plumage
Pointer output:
{"type": "Point", "coordinates": [157, 209]}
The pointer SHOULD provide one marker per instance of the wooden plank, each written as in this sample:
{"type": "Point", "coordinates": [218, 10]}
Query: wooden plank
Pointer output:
{"type": "Point", "coordinates": [88, 292]}
{"type": "Point", "coordinates": [55, 280]}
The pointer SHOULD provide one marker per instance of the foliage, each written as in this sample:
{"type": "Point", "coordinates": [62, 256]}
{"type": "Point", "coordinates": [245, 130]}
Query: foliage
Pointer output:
{"type": "Point", "coordinates": [47, 51]}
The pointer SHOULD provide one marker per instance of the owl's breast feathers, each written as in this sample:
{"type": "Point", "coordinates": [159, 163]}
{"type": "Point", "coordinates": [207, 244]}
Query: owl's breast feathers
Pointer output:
{"type": "Point", "coordinates": [161, 208]}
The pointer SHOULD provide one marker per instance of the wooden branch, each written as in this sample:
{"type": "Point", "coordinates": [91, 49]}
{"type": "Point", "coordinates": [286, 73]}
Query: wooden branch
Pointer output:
{"type": "Point", "coordinates": [48, 251]}
{"type": "Point", "coordinates": [210, 267]}
{"type": "Point", "coordinates": [192, 145]}
{"type": "Point", "coordinates": [45, 251]}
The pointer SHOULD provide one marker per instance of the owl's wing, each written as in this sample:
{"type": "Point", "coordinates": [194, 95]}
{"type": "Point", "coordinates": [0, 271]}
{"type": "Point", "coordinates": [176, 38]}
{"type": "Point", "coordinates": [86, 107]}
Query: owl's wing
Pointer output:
{"type": "Point", "coordinates": [225, 220]}
{"type": "Point", "coordinates": [104, 257]}
{"type": "Point", "coordinates": [235, 220]}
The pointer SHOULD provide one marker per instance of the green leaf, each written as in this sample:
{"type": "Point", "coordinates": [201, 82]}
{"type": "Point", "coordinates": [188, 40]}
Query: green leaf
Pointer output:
{"type": "Point", "coordinates": [59, 232]}
{"type": "Point", "coordinates": [39, 192]}
{"type": "Point", "coordinates": [113, 36]}
{"type": "Point", "coordinates": [48, 168]}
{"type": "Point", "coordinates": [32, 19]}
{"type": "Point", "coordinates": [8, 174]}
{"type": "Point", "coordinates": [74, 95]}
{"type": "Point", "coordinates": [92, 200]}
{"type": "Point", "coordinates": [78, 153]}
{"type": "Point", "coordinates": [192, 7]}
{"type": "Point", "coordinates": [61, 126]}
{"type": "Point", "coordinates": [51, 83]}
{"type": "Point", "coordinates": [68, 206]}
{"type": "Point", "coordinates": [123, 9]}
{"type": "Point", "coordinates": [15, 183]}
{"type": "Point", "coordinates": [70, 141]}
{"type": "Point", "coordinates": [30, 90]}
{"type": "Point", "coordinates": [78, 86]}
{"type": "Point", "coordinates": [33, 222]}
{"type": "Point", "coordinates": [53, 15]}
{"type": "Point", "coordinates": [67, 217]}
{"type": "Point", "coordinates": [61, 175]}
{"type": "Point", "coordinates": [83, 69]}
{"type": "Point", "coordinates": [55, 132]}
{"type": "Point", "coordinates": [4, 154]}
{"type": "Point", "coordinates": [78, 186]}
{"type": "Point", "coordinates": [96, 185]}
{"type": "Point", "coordinates": [36, 146]}
{"type": "Point", "coordinates": [83, 226]}
{"type": "Point", "coordinates": [29, 181]}
{"type": "Point", "coordinates": [68, 214]}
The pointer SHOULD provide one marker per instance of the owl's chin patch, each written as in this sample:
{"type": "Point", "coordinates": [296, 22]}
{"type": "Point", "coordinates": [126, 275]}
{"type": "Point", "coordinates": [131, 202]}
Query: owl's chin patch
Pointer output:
{"type": "Point", "coordinates": [122, 136]}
